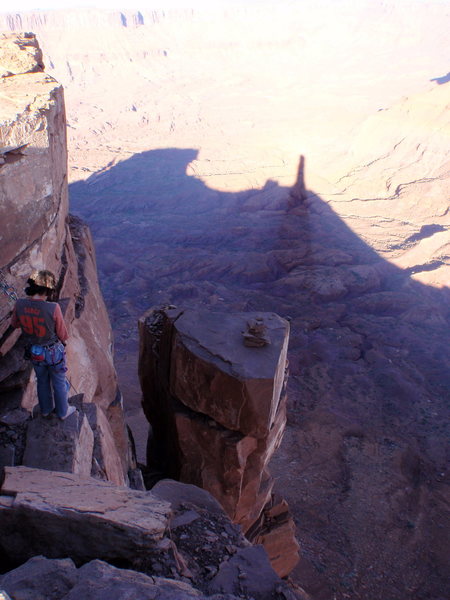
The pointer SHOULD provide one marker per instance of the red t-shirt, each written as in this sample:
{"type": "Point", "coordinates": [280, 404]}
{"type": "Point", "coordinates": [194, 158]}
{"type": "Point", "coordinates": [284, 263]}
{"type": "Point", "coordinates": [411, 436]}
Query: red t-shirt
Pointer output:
{"type": "Point", "coordinates": [41, 322]}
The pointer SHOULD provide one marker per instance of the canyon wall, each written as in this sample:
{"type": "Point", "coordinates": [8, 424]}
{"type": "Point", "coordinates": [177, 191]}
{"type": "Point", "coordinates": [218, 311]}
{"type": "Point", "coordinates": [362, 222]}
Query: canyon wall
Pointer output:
{"type": "Point", "coordinates": [38, 232]}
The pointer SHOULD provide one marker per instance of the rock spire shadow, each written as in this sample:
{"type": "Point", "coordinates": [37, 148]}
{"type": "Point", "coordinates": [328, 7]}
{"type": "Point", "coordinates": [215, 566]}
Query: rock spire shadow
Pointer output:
{"type": "Point", "coordinates": [369, 355]}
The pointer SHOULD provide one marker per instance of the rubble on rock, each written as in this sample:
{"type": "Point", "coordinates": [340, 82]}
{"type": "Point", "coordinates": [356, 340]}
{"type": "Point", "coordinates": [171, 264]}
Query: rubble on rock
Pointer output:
{"type": "Point", "coordinates": [177, 532]}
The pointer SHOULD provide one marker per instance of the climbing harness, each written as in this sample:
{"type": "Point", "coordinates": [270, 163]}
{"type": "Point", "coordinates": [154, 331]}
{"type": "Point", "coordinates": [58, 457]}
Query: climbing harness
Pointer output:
{"type": "Point", "coordinates": [49, 354]}
{"type": "Point", "coordinates": [7, 288]}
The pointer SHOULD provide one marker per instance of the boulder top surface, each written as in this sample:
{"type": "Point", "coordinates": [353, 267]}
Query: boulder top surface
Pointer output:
{"type": "Point", "coordinates": [219, 337]}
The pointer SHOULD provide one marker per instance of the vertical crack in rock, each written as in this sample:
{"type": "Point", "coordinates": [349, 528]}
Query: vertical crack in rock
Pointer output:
{"type": "Point", "coordinates": [76, 226]}
{"type": "Point", "coordinates": [154, 373]}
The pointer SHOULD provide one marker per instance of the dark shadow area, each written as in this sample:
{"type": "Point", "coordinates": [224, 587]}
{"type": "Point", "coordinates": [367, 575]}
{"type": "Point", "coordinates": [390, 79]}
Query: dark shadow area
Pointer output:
{"type": "Point", "coordinates": [442, 80]}
{"type": "Point", "coordinates": [366, 456]}
{"type": "Point", "coordinates": [426, 231]}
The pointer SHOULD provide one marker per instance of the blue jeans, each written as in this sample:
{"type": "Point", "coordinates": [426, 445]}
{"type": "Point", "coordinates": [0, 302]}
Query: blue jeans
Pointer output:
{"type": "Point", "coordinates": [51, 387]}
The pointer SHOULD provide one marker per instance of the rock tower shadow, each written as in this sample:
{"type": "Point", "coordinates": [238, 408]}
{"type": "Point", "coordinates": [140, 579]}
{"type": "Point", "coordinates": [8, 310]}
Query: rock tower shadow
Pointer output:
{"type": "Point", "coordinates": [369, 353]}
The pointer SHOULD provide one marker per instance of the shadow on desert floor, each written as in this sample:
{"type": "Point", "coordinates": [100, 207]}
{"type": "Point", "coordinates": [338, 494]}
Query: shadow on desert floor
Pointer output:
{"type": "Point", "coordinates": [163, 236]}
{"type": "Point", "coordinates": [369, 351]}
{"type": "Point", "coordinates": [442, 80]}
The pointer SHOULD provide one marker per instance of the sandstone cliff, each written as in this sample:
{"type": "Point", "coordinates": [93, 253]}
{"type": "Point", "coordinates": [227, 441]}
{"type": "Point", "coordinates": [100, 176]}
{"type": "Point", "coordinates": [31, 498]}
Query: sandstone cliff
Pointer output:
{"type": "Point", "coordinates": [38, 232]}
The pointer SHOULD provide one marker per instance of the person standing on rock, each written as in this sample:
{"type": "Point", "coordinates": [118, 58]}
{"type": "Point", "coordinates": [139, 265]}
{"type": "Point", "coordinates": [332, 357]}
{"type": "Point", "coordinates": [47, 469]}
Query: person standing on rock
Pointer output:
{"type": "Point", "coordinates": [45, 331]}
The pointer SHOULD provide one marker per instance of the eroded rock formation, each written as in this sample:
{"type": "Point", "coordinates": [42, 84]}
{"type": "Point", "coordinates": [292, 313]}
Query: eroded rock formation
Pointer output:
{"type": "Point", "coordinates": [38, 232]}
{"type": "Point", "coordinates": [217, 407]}
{"type": "Point", "coordinates": [19, 54]}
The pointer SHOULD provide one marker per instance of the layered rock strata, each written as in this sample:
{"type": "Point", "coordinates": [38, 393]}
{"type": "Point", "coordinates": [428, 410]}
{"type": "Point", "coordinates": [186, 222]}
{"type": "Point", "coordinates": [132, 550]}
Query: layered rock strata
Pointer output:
{"type": "Point", "coordinates": [218, 410]}
{"type": "Point", "coordinates": [177, 534]}
{"type": "Point", "coordinates": [37, 232]}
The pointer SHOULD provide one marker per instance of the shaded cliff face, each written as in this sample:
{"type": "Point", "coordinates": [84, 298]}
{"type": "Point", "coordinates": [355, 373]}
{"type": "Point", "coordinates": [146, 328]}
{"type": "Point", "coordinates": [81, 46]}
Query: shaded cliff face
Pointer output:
{"type": "Point", "coordinates": [192, 203]}
{"type": "Point", "coordinates": [37, 232]}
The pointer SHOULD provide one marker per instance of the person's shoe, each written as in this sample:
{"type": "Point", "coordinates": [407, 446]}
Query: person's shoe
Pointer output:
{"type": "Point", "coordinates": [70, 411]}
{"type": "Point", "coordinates": [46, 415]}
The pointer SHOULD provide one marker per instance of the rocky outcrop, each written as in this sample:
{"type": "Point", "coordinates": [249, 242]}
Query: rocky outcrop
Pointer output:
{"type": "Point", "coordinates": [38, 232]}
{"type": "Point", "coordinates": [363, 459]}
{"type": "Point", "coordinates": [217, 407]}
{"type": "Point", "coordinates": [83, 444]}
{"type": "Point", "coordinates": [19, 54]}
{"type": "Point", "coordinates": [116, 522]}
{"type": "Point", "coordinates": [177, 532]}
{"type": "Point", "coordinates": [66, 446]}
{"type": "Point", "coordinates": [59, 579]}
